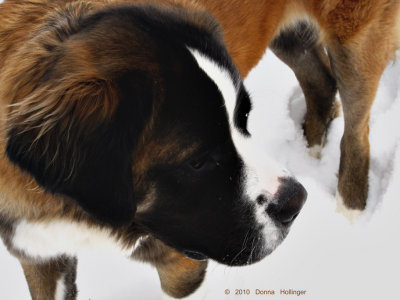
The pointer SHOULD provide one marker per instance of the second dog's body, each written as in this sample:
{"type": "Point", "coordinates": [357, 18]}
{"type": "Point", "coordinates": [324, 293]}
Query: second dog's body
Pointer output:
{"type": "Point", "coordinates": [360, 38]}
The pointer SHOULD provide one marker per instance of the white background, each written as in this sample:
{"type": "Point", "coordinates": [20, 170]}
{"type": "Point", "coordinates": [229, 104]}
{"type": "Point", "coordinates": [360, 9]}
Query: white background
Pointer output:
{"type": "Point", "coordinates": [324, 254]}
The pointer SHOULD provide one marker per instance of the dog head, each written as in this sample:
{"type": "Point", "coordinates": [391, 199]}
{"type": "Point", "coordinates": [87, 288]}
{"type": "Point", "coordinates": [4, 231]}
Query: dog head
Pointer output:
{"type": "Point", "coordinates": [139, 116]}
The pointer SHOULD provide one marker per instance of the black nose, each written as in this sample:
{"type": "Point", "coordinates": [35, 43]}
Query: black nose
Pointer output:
{"type": "Point", "coordinates": [289, 200]}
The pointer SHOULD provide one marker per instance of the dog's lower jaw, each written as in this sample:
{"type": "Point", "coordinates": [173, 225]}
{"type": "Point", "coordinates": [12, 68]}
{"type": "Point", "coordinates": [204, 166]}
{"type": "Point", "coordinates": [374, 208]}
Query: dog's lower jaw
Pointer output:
{"type": "Point", "coordinates": [350, 214]}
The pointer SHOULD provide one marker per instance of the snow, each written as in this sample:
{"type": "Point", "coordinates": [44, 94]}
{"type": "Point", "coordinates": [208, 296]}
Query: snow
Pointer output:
{"type": "Point", "coordinates": [323, 254]}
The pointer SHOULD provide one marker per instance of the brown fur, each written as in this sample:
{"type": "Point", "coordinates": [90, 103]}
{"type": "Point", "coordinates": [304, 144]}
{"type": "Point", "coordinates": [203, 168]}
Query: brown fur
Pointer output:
{"type": "Point", "coordinates": [179, 275]}
{"type": "Point", "coordinates": [351, 31]}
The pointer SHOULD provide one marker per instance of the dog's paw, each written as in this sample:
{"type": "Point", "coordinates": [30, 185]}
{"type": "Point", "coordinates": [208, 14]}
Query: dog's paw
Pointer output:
{"type": "Point", "coordinates": [349, 213]}
{"type": "Point", "coordinates": [315, 151]}
{"type": "Point", "coordinates": [337, 110]}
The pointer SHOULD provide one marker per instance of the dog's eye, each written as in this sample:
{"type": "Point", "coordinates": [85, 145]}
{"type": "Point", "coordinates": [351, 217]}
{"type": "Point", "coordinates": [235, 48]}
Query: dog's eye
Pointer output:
{"type": "Point", "coordinates": [197, 164]}
{"type": "Point", "coordinates": [205, 162]}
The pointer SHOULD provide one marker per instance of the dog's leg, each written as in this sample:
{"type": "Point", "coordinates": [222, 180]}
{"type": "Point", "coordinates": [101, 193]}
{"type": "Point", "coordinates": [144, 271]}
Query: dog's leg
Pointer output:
{"type": "Point", "coordinates": [358, 65]}
{"type": "Point", "coordinates": [52, 280]}
{"type": "Point", "coordinates": [179, 275]}
{"type": "Point", "coordinates": [297, 47]}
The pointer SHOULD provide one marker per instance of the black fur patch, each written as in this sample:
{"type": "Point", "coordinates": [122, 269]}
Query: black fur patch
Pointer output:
{"type": "Point", "coordinates": [299, 37]}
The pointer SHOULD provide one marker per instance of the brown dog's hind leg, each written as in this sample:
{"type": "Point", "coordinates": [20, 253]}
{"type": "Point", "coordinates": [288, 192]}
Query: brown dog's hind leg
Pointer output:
{"type": "Point", "coordinates": [297, 47]}
{"type": "Point", "coordinates": [52, 278]}
{"type": "Point", "coordinates": [358, 65]}
{"type": "Point", "coordinates": [358, 80]}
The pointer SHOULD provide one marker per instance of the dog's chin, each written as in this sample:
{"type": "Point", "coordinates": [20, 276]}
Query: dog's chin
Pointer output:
{"type": "Point", "coordinates": [242, 258]}
{"type": "Point", "coordinates": [254, 252]}
{"type": "Point", "coordinates": [247, 258]}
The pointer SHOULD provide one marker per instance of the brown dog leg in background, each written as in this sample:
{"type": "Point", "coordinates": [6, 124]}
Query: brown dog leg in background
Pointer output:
{"type": "Point", "coordinates": [358, 77]}
{"type": "Point", "coordinates": [297, 46]}
{"type": "Point", "coordinates": [359, 51]}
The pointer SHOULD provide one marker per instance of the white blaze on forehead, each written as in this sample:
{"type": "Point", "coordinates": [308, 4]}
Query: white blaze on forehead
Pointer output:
{"type": "Point", "coordinates": [261, 174]}
{"type": "Point", "coordinates": [224, 81]}
{"type": "Point", "coordinates": [222, 78]}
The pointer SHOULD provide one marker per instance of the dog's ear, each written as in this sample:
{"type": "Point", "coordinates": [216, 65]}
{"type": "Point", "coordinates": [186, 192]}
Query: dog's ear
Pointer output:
{"type": "Point", "coordinates": [76, 134]}
{"type": "Point", "coordinates": [81, 92]}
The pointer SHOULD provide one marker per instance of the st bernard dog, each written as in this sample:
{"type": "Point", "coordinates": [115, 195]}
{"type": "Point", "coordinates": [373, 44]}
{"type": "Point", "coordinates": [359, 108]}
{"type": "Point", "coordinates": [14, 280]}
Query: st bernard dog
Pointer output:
{"type": "Point", "coordinates": [124, 125]}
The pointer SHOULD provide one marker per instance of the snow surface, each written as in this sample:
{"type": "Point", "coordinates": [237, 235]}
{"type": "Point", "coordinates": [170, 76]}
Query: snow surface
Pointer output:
{"type": "Point", "coordinates": [324, 254]}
